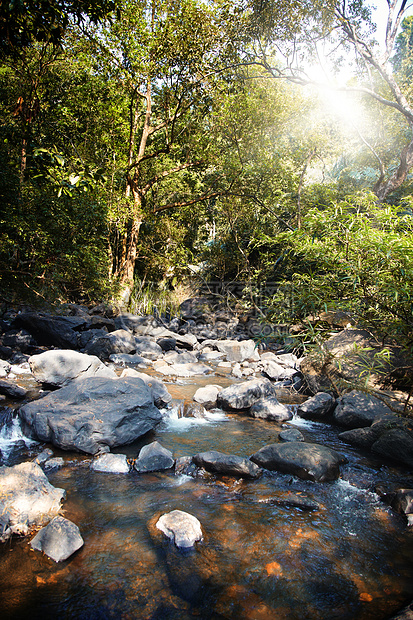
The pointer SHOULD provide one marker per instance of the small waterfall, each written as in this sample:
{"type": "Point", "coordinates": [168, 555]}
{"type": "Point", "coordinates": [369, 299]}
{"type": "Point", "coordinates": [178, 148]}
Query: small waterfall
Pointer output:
{"type": "Point", "coordinates": [11, 434]}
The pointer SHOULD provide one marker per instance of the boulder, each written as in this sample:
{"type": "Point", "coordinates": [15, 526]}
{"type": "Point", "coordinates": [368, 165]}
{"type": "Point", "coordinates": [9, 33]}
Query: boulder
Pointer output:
{"type": "Point", "coordinates": [49, 330]}
{"type": "Point", "coordinates": [362, 438]}
{"type": "Point", "coordinates": [184, 529]}
{"type": "Point", "coordinates": [273, 370]}
{"type": "Point", "coordinates": [270, 409]}
{"type": "Point", "coordinates": [146, 347]}
{"type": "Point", "coordinates": [18, 339]}
{"type": "Point", "coordinates": [237, 351]}
{"type": "Point", "coordinates": [161, 396]}
{"type": "Point", "coordinates": [357, 409]}
{"type": "Point", "coordinates": [167, 344]}
{"type": "Point", "coordinates": [93, 414]}
{"type": "Point", "coordinates": [58, 540]}
{"type": "Point", "coordinates": [185, 341]}
{"type": "Point", "coordinates": [318, 406]}
{"type": "Point", "coordinates": [182, 370]}
{"type": "Point", "coordinates": [141, 325]}
{"type": "Point", "coordinates": [227, 464]}
{"type": "Point", "coordinates": [395, 444]}
{"type": "Point", "coordinates": [244, 395]}
{"type": "Point", "coordinates": [124, 359]}
{"type": "Point", "coordinates": [308, 461]}
{"type": "Point", "coordinates": [173, 357]}
{"type": "Point", "coordinates": [111, 463]}
{"type": "Point", "coordinates": [27, 499]}
{"type": "Point", "coordinates": [119, 341]}
{"type": "Point", "coordinates": [207, 396]}
{"type": "Point", "coordinates": [402, 502]}
{"type": "Point", "coordinates": [291, 434]}
{"type": "Point", "coordinates": [59, 367]}
{"type": "Point", "coordinates": [154, 457]}
{"type": "Point", "coordinates": [12, 390]}
{"type": "Point", "coordinates": [54, 463]}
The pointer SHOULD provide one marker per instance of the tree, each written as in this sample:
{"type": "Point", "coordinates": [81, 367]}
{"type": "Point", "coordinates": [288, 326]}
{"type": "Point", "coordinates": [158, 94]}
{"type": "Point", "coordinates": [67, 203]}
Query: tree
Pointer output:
{"type": "Point", "coordinates": [341, 28]}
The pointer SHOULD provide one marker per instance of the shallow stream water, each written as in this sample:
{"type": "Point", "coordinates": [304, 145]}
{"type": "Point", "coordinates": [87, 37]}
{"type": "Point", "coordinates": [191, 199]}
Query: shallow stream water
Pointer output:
{"type": "Point", "coordinates": [259, 560]}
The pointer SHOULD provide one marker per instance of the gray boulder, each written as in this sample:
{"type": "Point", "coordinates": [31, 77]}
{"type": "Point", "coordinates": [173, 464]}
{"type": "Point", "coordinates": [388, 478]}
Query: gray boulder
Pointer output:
{"type": "Point", "coordinates": [174, 357]}
{"type": "Point", "coordinates": [124, 359]}
{"type": "Point", "coordinates": [27, 499]}
{"type": "Point", "coordinates": [244, 395]}
{"type": "Point", "coordinates": [93, 414]}
{"type": "Point", "coordinates": [395, 444]}
{"type": "Point", "coordinates": [270, 409]}
{"type": "Point", "coordinates": [291, 434]}
{"type": "Point", "coordinates": [154, 457]}
{"type": "Point", "coordinates": [237, 351]}
{"type": "Point", "coordinates": [146, 347]}
{"type": "Point", "coordinates": [181, 527]}
{"type": "Point", "coordinates": [59, 367]}
{"type": "Point", "coordinates": [49, 330]}
{"type": "Point", "coordinates": [357, 409]}
{"type": "Point", "coordinates": [161, 396]}
{"type": "Point", "coordinates": [182, 370]}
{"type": "Point", "coordinates": [362, 438]}
{"type": "Point", "coordinates": [318, 406]}
{"type": "Point", "coordinates": [58, 540]}
{"type": "Point", "coordinates": [111, 464]}
{"type": "Point", "coordinates": [119, 341]}
{"type": "Point", "coordinates": [12, 390]}
{"type": "Point", "coordinates": [227, 464]}
{"type": "Point", "coordinates": [308, 461]}
{"type": "Point", "coordinates": [207, 396]}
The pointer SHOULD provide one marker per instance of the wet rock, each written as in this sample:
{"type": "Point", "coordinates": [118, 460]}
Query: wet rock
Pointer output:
{"type": "Point", "coordinates": [154, 457]}
{"type": "Point", "coordinates": [291, 434]}
{"type": "Point", "coordinates": [270, 409]}
{"type": "Point", "coordinates": [194, 410]}
{"type": "Point", "coordinates": [207, 396]}
{"type": "Point", "coordinates": [60, 367]}
{"type": "Point", "coordinates": [27, 499]}
{"type": "Point", "coordinates": [402, 502]}
{"type": "Point", "coordinates": [244, 395]}
{"type": "Point", "coordinates": [54, 463]}
{"type": "Point", "coordinates": [12, 390]}
{"type": "Point", "coordinates": [305, 460]}
{"type": "Point", "coordinates": [4, 368]}
{"type": "Point", "coordinates": [58, 540]}
{"type": "Point", "coordinates": [357, 409]}
{"type": "Point", "coordinates": [318, 406]}
{"type": "Point", "coordinates": [119, 341]}
{"type": "Point", "coordinates": [395, 444]}
{"type": "Point", "coordinates": [362, 438]}
{"type": "Point", "coordinates": [237, 351]}
{"type": "Point", "coordinates": [44, 455]}
{"type": "Point", "coordinates": [291, 500]}
{"type": "Point", "coordinates": [184, 465]}
{"type": "Point", "coordinates": [90, 415]}
{"type": "Point", "coordinates": [227, 464]}
{"type": "Point", "coordinates": [181, 527]}
{"type": "Point", "coordinates": [161, 396]}
{"type": "Point", "coordinates": [111, 464]}
{"type": "Point", "coordinates": [58, 331]}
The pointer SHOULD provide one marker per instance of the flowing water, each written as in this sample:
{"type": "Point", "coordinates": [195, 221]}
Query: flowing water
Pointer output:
{"type": "Point", "coordinates": [261, 557]}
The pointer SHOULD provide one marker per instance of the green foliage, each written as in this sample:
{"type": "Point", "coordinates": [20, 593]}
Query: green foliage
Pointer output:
{"type": "Point", "coordinates": [355, 256]}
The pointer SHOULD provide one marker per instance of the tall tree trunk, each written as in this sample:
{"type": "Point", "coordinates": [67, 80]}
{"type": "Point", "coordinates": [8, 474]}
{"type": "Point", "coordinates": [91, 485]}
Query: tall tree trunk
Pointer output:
{"type": "Point", "coordinates": [398, 177]}
{"type": "Point", "coordinates": [130, 245]}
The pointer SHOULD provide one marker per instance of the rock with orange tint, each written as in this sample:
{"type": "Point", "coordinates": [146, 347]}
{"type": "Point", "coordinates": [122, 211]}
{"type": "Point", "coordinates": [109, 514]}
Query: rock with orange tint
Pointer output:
{"type": "Point", "coordinates": [274, 569]}
{"type": "Point", "coordinates": [27, 499]}
{"type": "Point", "coordinates": [308, 461]}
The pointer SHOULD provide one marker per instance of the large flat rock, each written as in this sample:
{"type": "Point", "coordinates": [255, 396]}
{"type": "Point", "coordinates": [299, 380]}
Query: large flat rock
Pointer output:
{"type": "Point", "coordinates": [92, 414]}
{"type": "Point", "coordinates": [59, 367]}
{"type": "Point", "coordinates": [308, 461]}
{"type": "Point", "coordinates": [243, 395]}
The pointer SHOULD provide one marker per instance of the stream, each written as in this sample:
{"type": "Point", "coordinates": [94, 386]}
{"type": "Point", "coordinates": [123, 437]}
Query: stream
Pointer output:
{"type": "Point", "coordinates": [261, 558]}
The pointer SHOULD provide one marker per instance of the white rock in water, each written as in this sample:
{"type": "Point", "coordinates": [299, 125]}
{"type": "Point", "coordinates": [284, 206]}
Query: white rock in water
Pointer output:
{"type": "Point", "coordinates": [184, 529]}
{"type": "Point", "coordinates": [111, 464]}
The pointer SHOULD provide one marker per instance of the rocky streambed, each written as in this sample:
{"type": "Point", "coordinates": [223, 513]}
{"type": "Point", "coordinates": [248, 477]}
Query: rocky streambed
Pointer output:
{"type": "Point", "coordinates": [178, 471]}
